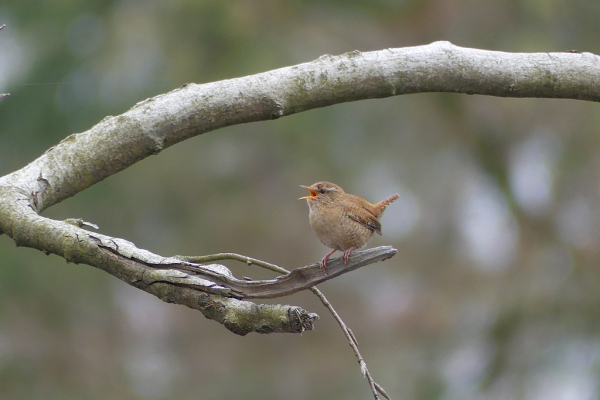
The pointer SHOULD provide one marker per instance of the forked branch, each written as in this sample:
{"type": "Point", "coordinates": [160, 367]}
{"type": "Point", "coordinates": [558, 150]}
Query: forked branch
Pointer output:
{"type": "Point", "coordinates": [376, 389]}
{"type": "Point", "coordinates": [115, 143]}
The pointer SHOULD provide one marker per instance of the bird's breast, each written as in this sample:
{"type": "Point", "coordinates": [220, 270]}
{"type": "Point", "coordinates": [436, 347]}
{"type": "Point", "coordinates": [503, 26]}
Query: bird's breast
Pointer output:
{"type": "Point", "coordinates": [335, 229]}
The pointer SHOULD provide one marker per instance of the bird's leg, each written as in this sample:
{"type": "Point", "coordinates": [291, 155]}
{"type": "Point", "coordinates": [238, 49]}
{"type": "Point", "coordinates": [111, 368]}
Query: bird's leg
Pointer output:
{"type": "Point", "coordinates": [347, 254]}
{"type": "Point", "coordinates": [324, 261]}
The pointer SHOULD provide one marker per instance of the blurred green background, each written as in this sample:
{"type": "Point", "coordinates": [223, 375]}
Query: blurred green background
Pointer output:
{"type": "Point", "coordinates": [494, 293]}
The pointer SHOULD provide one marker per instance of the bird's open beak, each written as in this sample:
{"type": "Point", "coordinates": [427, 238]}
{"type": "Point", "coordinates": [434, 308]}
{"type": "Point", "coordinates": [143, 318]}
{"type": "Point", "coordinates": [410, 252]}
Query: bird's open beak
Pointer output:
{"type": "Point", "coordinates": [313, 194]}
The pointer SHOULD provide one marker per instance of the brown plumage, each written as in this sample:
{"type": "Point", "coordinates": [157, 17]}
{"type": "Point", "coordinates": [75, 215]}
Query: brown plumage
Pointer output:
{"type": "Point", "coordinates": [342, 221]}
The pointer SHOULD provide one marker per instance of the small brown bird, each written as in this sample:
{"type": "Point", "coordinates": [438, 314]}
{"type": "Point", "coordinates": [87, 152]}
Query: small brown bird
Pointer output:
{"type": "Point", "coordinates": [342, 221]}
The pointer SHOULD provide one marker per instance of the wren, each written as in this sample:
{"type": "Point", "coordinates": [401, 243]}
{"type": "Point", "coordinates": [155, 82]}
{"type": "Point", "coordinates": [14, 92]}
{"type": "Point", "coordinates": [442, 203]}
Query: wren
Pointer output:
{"type": "Point", "coordinates": [342, 221]}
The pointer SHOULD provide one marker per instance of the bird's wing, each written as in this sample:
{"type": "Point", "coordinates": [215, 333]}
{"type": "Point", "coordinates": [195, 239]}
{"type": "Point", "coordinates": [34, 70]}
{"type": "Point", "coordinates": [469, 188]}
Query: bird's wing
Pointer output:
{"type": "Point", "coordinates": [367, 219]}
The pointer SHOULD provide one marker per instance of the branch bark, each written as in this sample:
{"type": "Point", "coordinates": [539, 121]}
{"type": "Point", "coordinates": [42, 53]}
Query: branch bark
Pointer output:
{"type": "Point", "coordinates": [115, 143]}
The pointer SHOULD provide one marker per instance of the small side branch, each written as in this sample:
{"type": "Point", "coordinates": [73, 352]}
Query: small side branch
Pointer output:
{"type": "Point", "coordinates": [375, 387]}
{"type": "Point", "coordinates": [297, 280]}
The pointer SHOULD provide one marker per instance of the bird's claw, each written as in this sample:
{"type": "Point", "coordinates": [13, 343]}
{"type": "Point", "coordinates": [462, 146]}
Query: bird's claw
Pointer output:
{"type": "Point", "coordinates": [347, 255]}
{"type": "Point", "coordinates": [323, 265]}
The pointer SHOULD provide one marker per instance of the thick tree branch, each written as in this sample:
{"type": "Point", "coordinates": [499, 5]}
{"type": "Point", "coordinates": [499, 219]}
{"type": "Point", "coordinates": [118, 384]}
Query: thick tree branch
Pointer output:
{"type": "Point", "coordinates": [152, 125]}
{"type": "Point", "coordinates": [174, 280]}
{"type": "Point", "coordinates": [123, 260]}
{"type": "Point", "coordinates": [116, 143]}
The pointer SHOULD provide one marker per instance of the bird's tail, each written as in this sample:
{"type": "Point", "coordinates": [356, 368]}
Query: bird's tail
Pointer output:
{"type": "Point", "coordinates": [384, 203]}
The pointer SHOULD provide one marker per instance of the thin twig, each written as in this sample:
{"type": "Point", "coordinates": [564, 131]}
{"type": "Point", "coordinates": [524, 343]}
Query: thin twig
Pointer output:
{"type": "Point", "coordinates": [233, 256]}
{"type": "Point", "coordinates": [349, 335]}
{"type": "Point", "coordinates": [353, 343]}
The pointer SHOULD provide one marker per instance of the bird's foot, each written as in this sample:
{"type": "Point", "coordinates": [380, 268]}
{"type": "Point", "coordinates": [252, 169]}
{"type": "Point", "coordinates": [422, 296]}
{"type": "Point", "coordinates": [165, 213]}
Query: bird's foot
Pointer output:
{"type": "Point", "coordinates": [347, 254]}
{"type": "Point", "coordinates": [323, 264]}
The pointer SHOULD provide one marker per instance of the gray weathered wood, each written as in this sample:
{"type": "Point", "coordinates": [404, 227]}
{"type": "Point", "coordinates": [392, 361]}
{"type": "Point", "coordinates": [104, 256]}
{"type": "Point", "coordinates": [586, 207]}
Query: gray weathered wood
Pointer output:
{"type": "Point", "coordinates": [115, 143]}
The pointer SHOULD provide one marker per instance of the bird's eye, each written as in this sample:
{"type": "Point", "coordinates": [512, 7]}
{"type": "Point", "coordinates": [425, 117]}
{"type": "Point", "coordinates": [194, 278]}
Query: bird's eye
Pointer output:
{"type": "Point", "coordinates": [322, 190]}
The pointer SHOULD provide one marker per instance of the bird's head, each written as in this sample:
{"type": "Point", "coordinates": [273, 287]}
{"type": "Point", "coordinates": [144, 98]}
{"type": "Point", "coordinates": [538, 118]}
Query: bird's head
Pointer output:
{"type": "Point", "coordinates": [322, 191]}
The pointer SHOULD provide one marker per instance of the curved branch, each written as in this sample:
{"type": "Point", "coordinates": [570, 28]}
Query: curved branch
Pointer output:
{"type": "Point", "coordinates": [295, 281]}
{"type": "Point", "coordinates": [203, 287]}
{"type": "Point", "coordinates": [116, 143]}
{"type": "Point", "coordinates": [215, 301]}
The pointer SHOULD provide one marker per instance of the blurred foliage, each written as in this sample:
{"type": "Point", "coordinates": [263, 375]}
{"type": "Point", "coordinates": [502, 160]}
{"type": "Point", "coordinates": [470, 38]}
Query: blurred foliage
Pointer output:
{"type": "Point", "coordinates": [494, 293]}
